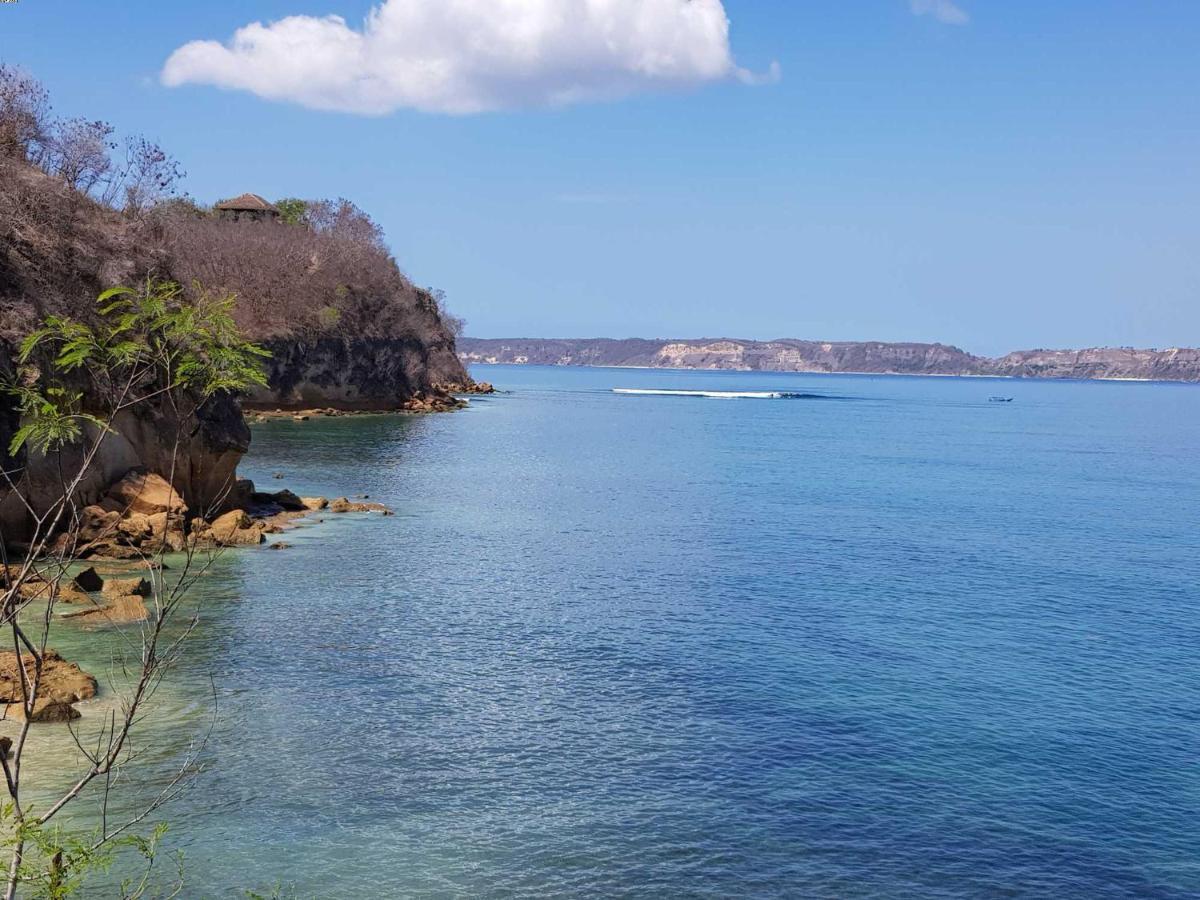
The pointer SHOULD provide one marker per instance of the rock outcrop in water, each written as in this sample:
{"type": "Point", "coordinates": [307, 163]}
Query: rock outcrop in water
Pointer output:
{"type": "Point", "coordinates": [871, 357]}
{"type": "Point", "coordinates": [62, 684]}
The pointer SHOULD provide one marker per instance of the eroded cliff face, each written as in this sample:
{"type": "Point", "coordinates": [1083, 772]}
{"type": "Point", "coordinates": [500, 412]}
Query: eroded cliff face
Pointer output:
{"type": "Point", "coordinates": [812, 356]}
{"type": "Point", "coordinates": [357, 373]}
{"type": "Point", "coordinates": [1177, 364]}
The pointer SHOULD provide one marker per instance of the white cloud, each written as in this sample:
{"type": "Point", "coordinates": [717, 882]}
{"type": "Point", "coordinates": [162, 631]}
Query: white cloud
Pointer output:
{"type": "Point", "coordinates": [946, 11]}
{"type": "Point", "coordinates": [469, 56]}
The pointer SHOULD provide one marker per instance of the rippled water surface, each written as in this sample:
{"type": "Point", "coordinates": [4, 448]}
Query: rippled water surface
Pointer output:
{"type": "Point", "coordinates": [883, 638]}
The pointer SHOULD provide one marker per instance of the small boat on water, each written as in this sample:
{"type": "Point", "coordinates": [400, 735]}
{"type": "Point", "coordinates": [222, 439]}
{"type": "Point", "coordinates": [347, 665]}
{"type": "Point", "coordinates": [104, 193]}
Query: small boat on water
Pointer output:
{"type": "Point", "coordinates": [1000, 399]}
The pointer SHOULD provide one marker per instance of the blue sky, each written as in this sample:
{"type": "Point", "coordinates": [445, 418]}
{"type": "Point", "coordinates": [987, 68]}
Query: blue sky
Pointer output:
{"type": "Point", "coordinates": [1027, 178]}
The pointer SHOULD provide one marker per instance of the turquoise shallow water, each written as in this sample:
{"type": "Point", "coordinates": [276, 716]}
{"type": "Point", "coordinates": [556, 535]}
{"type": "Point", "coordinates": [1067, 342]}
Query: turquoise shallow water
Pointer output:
{"type": "Point", "coordinates": [889, 640]}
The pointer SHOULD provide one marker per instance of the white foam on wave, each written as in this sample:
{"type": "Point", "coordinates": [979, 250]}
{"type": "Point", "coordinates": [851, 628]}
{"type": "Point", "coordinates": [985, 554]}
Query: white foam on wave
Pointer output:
{"type": "Point", "coordinates": [718, 395]}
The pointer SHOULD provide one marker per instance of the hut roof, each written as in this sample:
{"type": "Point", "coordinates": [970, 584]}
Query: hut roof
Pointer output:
{"type": "Point", "coordinates": [247, 202]}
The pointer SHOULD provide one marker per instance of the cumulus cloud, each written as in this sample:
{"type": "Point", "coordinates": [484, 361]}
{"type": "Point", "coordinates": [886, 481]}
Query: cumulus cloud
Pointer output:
{"type": "Point", "coordinates": [469, 56]}
{"type": "Point", "coordinates": [946, 11]}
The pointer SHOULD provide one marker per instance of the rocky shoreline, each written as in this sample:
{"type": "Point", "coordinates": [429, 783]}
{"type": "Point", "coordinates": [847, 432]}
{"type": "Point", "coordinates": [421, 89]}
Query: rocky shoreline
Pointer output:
{"type": "Point", "coordinates": [120, 539]}
{"type": "Point", "coordinates": [122, 535]}
{"type": "Point", "coordinates": [446, 398]}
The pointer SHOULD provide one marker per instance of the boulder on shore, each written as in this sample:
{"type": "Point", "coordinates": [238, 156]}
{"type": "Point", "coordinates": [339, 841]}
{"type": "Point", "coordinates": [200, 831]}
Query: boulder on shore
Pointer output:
{"type": "Point", "coordinates": [433, 402]}
{"type": "Point", "coordinates": [233, 529]}
{"type": "Point", "coordinates": [145, 493]}
{"type": "Point", "coordinates": [140, 514]}
{"type": "Point", "coordinates": [45, 711]}
{"type": "Point", "coordinates": [61, 680]}
{"type": "Point", "coordinates": [120, 587]}
{"type": "Point", "coordinates": [118, 610]}
{"type": "Point", "coordinates": [344, 505]}
{"type": "Point", "coordinates": [61, 591]}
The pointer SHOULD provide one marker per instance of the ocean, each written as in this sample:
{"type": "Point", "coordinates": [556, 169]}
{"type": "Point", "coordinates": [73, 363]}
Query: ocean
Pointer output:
{"type": "Point", "coordinates": [856, 637]}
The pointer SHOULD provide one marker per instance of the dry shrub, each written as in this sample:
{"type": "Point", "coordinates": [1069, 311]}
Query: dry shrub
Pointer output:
{"type": "Point", "coordinates": [293, 281]}
{"type": "Point", "coordinates": [76, 217]}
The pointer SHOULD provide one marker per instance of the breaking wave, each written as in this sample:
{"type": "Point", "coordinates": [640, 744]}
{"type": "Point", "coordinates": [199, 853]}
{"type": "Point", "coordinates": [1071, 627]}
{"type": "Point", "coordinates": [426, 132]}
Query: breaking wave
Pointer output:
{"type": "Point", "coordinates": [723, 395]}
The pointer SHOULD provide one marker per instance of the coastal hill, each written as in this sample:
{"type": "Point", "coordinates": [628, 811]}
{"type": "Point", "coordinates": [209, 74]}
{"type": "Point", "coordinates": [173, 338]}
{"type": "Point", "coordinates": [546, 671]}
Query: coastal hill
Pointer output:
{"type": "Point", "coordinates": [873, 357]}
{"type": "Point", "coordinates": [314, 280]}
{"type": "Point", "coordinates": [317, 287]}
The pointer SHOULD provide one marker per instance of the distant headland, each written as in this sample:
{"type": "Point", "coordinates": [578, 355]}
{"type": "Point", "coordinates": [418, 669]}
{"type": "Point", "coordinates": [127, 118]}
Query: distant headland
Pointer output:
{"type": "Point", "coordinates": [868, 357]}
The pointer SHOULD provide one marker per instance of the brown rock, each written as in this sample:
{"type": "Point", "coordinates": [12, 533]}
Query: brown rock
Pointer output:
{"type": "Point", "coordinates": [231, 521]}
{"type": "Point", "coordinates": [343, 505]}
{"type": "Point", "coordinates": [45, 711]}
{"type": "Point", "coordinates": [280, 545]}
{"type": "Point", "coordinates": [314, 503]}
{"type": "Point", "coordinates": [143, 492]}
{"type": "Point", "coordinates": [119, 587]}
{"type": "Point", "coordinates": [137, 528]}
{"type": "Point", "coordinates": [235, 528]}
{"type": "Point", "coordinates": [118, 610]}
{"type": "Point", "coordinates": [110, 550]}
{"type": "Point", "coordinates": [8, 574]}
{"type": "Point", "coordinates": [155, 531]}
{"type": "Point", "coordinates": [96, 522]}
{"type": "Point", "coordinates": [69, 593]}
{"type": "Point", "coordinates": [64, 592]}
{"type": "Point", "coordinates": [61, 680]}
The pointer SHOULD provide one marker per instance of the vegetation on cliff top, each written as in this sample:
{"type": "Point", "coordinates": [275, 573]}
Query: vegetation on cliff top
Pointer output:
{"type": "Point", "coordinates": [81, 211]}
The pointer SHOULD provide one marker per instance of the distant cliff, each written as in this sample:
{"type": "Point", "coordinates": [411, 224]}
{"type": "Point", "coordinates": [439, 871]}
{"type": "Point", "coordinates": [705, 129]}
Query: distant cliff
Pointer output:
{"type": "Point", "coordinates": [871, 357]}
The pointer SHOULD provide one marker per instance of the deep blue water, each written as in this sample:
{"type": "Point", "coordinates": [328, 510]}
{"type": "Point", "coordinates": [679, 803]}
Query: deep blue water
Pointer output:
{"type": "Point", "coordinates": [888, 641]}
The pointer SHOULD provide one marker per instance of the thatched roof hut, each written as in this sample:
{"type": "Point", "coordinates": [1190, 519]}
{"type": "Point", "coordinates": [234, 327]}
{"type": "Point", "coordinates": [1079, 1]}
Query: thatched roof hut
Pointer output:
{"type": "Point", "coordinates": [250, 207]}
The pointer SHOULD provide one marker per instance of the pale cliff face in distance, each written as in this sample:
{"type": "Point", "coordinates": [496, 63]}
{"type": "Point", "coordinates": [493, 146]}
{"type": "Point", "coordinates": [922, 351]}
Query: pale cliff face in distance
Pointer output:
{"type": "Point", "coordinates": [870, 357]}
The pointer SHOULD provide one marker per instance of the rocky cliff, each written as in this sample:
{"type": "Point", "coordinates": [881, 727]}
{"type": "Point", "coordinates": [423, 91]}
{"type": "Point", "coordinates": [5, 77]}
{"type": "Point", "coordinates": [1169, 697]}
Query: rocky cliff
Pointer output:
{"type": "Point", "coordinates": [346, 327]}
{"type": "Point", "coordinates": [57, 252]}
{"type": "Point", "coordinates": [1175, 364]}
{"type": "Point", "coordinates": [357, 373]}
{"type": "Point", "coordinates": [871, 357]}
{"type": "Point", "coordinates": [384, 342]}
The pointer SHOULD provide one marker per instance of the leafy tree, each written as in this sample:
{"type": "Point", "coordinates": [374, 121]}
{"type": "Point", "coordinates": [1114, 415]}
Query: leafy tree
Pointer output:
{"type": "Point", "coordinates": [292, 210]}
{"type": "Point", "coordinates": [147, 342]}
{"type": "Point", "coordinates": [144, 346]}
